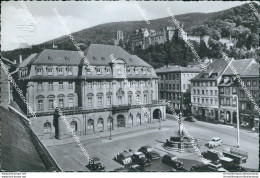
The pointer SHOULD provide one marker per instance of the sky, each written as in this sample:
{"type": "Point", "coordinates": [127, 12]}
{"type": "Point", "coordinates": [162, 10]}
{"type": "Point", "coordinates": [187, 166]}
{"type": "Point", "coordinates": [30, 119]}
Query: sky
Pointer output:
{"type": "Point", "coordinates": [17, 18]}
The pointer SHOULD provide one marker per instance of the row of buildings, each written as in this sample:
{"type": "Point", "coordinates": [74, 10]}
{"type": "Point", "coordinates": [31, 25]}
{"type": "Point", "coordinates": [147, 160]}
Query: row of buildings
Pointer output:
{"type": "Point", "coordinates": [99, 100]}
{"type": "Point", "coordinates": [213, 93]}
{"type": "Point", "coordinates": [91, 100]}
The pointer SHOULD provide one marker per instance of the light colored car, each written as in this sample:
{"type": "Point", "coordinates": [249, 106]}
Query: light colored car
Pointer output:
{"type": "Point", "coordinates": [214, 142]}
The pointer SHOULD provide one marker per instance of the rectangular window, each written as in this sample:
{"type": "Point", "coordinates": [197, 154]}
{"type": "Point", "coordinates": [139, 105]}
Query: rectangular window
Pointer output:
{"type": "Point", "coordinates": [203, 92]}
{"type": "Point", "coordinates": [216, 92]}
{"type": "Point", "coordinates": [254, 83]}
{"type": "Point", "coordinates": [222, 101]}
{"type": "Point", "coordinates": [243, 106]}
{"type": "Point", "coordinates": [234, 90]}
{"type": "Point", "coordinates": [198, 100]}
{"type": "Point", "coordinates": [242, 94]}
{"type": "Point", "coordinates": [202, 101]}
{"type": "Point", "coordinates": [99, 101]}
{"type": "Point", "coordinates": [50, 103]}
{"type": "Point", "coordinates": [145, 98]}
{"type": "Point", "coordinates": [194, 92]}
{"type": "Point", "coordinates": [120, 99]}
{"type": "Point", "coordinates": [71, 103]}
{"type": "Point", "coordinates": [60, 85]}
{"type": "Point", "coordinates": [39, 86]}
{"type": "Point", "coordinates": [221, 90]}
{"type": "Point", "coordinates": [40, 105]}
{"type": "Point", "coordinates": [211, 92]}
{"type": "Point", "coordinates": [109, 101]}
{"type": "Point", "coordinates": [184, 86]}
{"type": "Point", "coordinates": [211, 101]}
{"type": "Point", "coordinates": [89, 101]}
{"type": "Point", "coordinates": [89, 85]}
{"type": "Point", "coordinates": [129, 99]}
{"type": "Point", "coordinates": [129, 71]}
{"type": "Point", "coordinates": [198, 92]}
{"type": "Point", "coordinates": [248, 83]}
{"type": "Point", "coordinates": [207, 101]}
{"type": "Point", "coordinates": [61, 103]}
{"type": "Point", "coordinates": [207, 92]}
{"type": "Point", "coordinates": [178, 87]}
{"type": "Point", "coordinates": [50, 86]}
{"type": "Point", "coordinates": [98, 85]}
{"type": "Point", "coordinates": [70, 85]}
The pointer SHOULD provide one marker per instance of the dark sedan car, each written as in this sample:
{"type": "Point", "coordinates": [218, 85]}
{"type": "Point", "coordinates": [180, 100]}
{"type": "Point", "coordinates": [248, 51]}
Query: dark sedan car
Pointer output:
{"type": "Point", "coordinates": [149, 152]}
{"type": "Point", "coordinates": [190, 119]}
{"type": "Point", "coordinates": [140, 159]}
{"type": "Point", "coordinates": [95, 165]}
{"type": "Point", "coordinates": [136, 168]}
{"type": "Point", "coordinates": [172, 161]}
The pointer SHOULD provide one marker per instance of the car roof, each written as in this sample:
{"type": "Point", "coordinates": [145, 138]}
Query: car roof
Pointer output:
{"type": "Point", "coordinates": [215, 138]}
{"type": "Point", "coordinates": [138, 153]}
{"type": "Point", "coordinates": [147, 146]}
{"type": "Point", "coordinates": [170, 155]}
{"type": "Point", "coordinates": [125, 154]}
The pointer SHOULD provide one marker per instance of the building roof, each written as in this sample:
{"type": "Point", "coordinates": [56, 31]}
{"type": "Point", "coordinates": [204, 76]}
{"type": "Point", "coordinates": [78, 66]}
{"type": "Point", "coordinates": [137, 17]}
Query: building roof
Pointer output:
{"type": "Point", "coordinates": [6, 61]}
{"type": "Point", "coordinates": [178, 69]}
{"type": "Point", "coordinates": [27, 60]}
{"type": "Point", "coordinates": [251, 70]}
{"type": "Point", "coordinates": [57, 57]}
{"type": "Point", "coordinates": [216, 67]}
{"type": "Point", "coordinates": [98, 54]}
{"type": "Point", "coordinates": [240, 66]}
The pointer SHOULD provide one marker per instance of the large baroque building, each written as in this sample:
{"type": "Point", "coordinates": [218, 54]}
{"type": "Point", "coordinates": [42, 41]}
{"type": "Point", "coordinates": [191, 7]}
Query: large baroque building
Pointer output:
{"type": "Point", "coordinates": [91, 100]}
{"type": "Point", "coordinates": [174, 84]}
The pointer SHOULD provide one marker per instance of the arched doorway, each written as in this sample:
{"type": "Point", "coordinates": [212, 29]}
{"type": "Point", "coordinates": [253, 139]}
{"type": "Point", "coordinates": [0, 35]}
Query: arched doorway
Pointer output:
{"type": "Point", "coordinates": [47, 128]}
{"type": "Point", "coordinates": [74, 126]}
{"type": "Point", "coordinates": [90, 125]}
{"type": "Point", "coordinates": [138, 119]}
{"type": "Point", "coordinates": [100, 124]}
{"type": "Point", "coordinates": [130, 120]}
{"type": "Point", "coordinates": [157, 114]}
{"type": "Point", "coordinates": [120, 121]}
{"type": "Point", "coordinates": [110, 123]}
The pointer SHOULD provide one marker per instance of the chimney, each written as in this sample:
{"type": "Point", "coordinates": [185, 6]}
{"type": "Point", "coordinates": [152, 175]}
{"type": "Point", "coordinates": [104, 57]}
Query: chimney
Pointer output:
{"type": "Point", "coordinates": [21, 58]}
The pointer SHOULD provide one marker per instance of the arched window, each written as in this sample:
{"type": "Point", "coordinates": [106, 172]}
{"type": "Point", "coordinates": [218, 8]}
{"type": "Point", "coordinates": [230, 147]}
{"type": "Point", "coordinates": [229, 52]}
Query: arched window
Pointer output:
{"type": "Point", "coordinates": [100, 123]}
{"type": "Point", "coordinates": [90, 124]}
{"type": "Point", "coordinates": [74, 126]}
{"type": "Point", "coordinates": [47, 127]}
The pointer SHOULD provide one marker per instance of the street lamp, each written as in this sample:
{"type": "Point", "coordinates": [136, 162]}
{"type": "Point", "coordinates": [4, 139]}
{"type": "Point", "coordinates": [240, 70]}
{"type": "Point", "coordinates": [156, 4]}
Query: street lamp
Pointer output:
{"type": "Point", "coordinates": [180, 114]}
{"type": "Point", "coordinates": [235, 96]}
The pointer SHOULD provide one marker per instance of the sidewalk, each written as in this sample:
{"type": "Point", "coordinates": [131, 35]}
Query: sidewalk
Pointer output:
{"type": "Point", "coordinates": [106, 134]}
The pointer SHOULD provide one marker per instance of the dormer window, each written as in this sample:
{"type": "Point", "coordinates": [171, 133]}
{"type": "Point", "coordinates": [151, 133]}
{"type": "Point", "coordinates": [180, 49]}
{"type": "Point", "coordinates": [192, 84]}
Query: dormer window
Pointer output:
{"type": "Point", "coordinates": [129, 71]}
{"type": "Point", "coordinates": [108, 71]}
{"type": "Point", "coordinates": [67, 59]}
{"type": "Point", "coordinates": [60, 71]}
{"type": "Point", "coordinates": [50, 58]}
{"type": "Point", "coordinates": [98, 71]}
{"type": "Point", "coordinates": [69, 70]}
{"type": "Point", "coordinates": [144, 70]}
{"type": "Point", "coordinates": [88, 71]}
{"type": "Point", "coordinates": [49, 71]}
{"type": "Point", "coordinates": [136, 71]}
{"type": "Point", "coordinates": [39, 71]}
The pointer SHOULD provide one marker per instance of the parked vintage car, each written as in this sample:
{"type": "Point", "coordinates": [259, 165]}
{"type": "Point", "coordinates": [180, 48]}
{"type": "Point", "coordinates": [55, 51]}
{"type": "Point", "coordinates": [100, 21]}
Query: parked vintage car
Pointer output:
{"type": "Point", "coordinates": [149, 152]}
{"type": "Point", "coordinates": [237, 155]}
{"type": "Point", "coordinates": [231, 166]}
{"type": "Point", "coordinates": [214, 142]}
{"type": "Point", "coordinates": [95, 165]}
{"type": "Point", "coordinates": [190, 119]}
{"type": "Point", "coordinates": [123, 158]}
{"type": "Point", "coordinates": [215, 166]}
{"type": "Point", "coordinates": [140, 159]}
{"type": "Point", "coordinates": [199, 168]}
{"type": "Point", "coordinates": [136, 168]}
{"type": "Point", "coordinates": [172, 161]}
{"type": "Point", "coordinates": [214, 155]}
